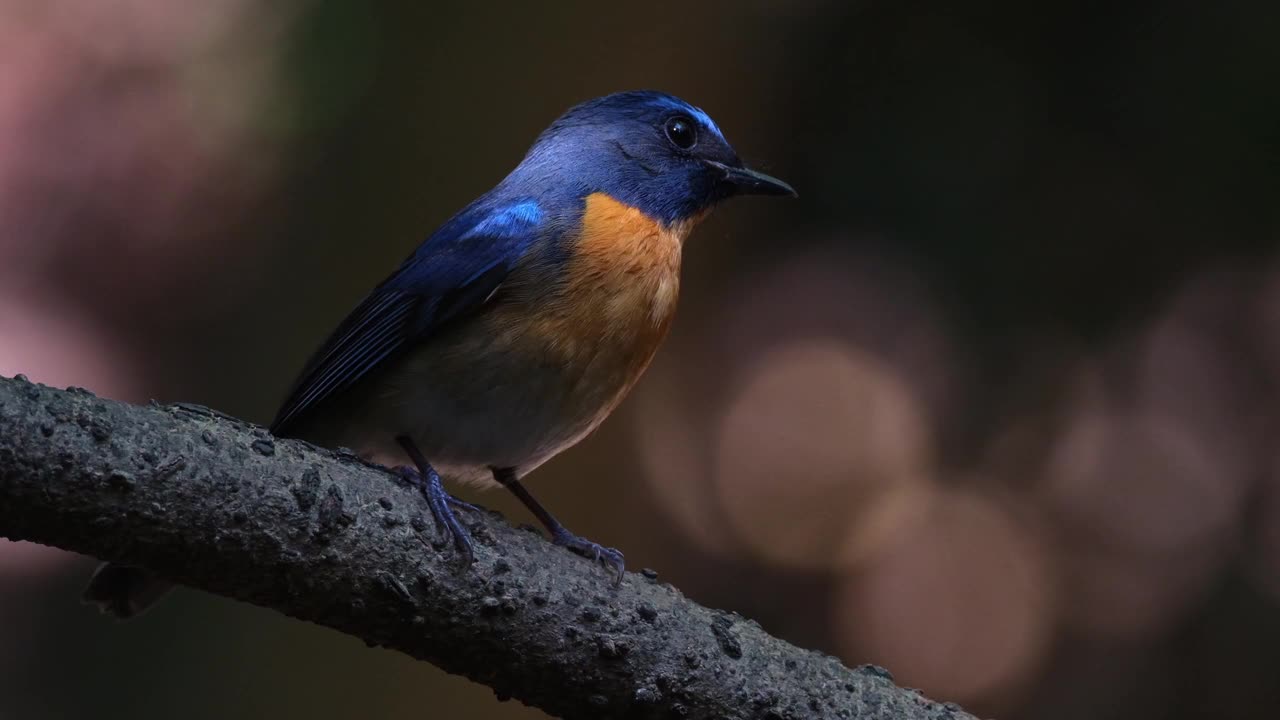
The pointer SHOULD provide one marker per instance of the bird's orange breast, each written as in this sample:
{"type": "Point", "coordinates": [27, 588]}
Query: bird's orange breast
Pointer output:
{"type": "Point", "coordinates": [617, 299]}
{"type": "Point", "coordinates": [628, 263]}
{"type": "Point", "coordinates": [549, 367]}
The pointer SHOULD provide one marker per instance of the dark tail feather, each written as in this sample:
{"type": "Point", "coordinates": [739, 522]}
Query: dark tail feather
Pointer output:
{"type": "Point", "coordinates": [124, 591]}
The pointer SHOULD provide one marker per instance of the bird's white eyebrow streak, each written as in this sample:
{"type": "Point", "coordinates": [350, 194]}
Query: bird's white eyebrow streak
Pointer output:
{"type": "Point", "coordinates": [707, 122]}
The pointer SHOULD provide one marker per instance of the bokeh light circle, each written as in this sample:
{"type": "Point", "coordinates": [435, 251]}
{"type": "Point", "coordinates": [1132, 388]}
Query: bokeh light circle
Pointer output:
{"type": "Point", "coordinates": [959, 603]}
{"type": "Point", "coordinates": [817, 435]}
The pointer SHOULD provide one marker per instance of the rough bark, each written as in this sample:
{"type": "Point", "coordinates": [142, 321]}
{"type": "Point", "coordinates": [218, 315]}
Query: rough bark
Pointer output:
{"type": "Point", "coordinates": [218, 504]}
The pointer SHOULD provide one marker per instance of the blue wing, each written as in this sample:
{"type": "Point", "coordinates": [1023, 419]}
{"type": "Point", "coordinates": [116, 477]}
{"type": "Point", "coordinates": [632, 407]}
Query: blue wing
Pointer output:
{"type": "Point", "coordinates": [450, 275]}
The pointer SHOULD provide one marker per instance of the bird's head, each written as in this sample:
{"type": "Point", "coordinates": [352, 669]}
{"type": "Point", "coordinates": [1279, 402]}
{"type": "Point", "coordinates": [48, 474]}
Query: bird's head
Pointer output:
{"type": "Point", "coordinates": [650, 150]}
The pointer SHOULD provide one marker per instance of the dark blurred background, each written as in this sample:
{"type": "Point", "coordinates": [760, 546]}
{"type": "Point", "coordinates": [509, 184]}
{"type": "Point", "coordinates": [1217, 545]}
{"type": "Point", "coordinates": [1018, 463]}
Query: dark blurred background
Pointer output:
{"type": "Point", "coordinates": [994, 404]}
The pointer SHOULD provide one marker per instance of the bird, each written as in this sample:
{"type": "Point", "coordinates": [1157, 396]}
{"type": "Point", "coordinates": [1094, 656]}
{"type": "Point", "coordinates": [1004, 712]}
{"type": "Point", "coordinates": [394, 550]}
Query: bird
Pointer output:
{"type": "Point", "coordinates": [518, 326]}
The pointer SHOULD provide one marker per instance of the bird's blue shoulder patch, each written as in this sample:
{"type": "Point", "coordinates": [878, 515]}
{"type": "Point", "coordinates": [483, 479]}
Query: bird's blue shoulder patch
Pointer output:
{"type": "Point", "coordinates": [507, 221]}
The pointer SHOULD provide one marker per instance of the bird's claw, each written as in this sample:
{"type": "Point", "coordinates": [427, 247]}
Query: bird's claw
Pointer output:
{"type": "Point", "coordinates": [607, 556]}
{"type": "Point", "coordinates": [439, 500]}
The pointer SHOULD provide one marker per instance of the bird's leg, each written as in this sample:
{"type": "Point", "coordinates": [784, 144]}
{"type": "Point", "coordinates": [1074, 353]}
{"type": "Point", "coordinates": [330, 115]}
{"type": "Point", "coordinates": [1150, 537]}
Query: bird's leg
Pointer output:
{"type": "Point", "coordinates": [427, 480]}
{"type": "Point", "coordinates": [560, 535]}
{"type": "Point", "coordinates": [411, 476]}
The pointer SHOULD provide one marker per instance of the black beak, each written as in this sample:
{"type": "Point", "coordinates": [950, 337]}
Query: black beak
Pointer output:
{"type": "Point", "coordinates": [745, 181]}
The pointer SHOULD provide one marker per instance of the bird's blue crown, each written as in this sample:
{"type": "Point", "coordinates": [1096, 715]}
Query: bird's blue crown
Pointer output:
{"type": "Point", "coordinates": [650, 150]}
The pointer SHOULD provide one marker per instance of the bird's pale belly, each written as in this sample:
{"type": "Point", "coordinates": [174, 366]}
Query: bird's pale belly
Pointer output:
{"type": "Point", "coordinates": [523, 381]}
{"type": "Point", "coordinates": [516, 404]}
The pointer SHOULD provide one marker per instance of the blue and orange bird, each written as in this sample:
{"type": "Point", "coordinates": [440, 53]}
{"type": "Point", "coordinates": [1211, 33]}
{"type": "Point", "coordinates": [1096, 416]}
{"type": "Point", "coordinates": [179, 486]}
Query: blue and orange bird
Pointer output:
{"type": "Point", "coordinates": [520, 324]}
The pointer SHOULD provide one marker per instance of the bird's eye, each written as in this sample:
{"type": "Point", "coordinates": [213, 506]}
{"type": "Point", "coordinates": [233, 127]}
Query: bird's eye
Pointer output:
{"type": "Point", "coordinates": [681, 132]}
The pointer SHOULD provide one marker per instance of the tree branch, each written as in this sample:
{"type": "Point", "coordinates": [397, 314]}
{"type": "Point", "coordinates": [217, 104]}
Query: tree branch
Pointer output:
{"type": "Point", "coordinates": [218, 504]}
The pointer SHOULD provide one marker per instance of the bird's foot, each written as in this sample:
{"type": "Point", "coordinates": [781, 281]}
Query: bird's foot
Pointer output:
{"type": "Point", "coordinates": [441, 504]}
{"type": "Point", "coordinates": [464, 505]}
{"type": "Point", "coordinates": [607, 556]}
